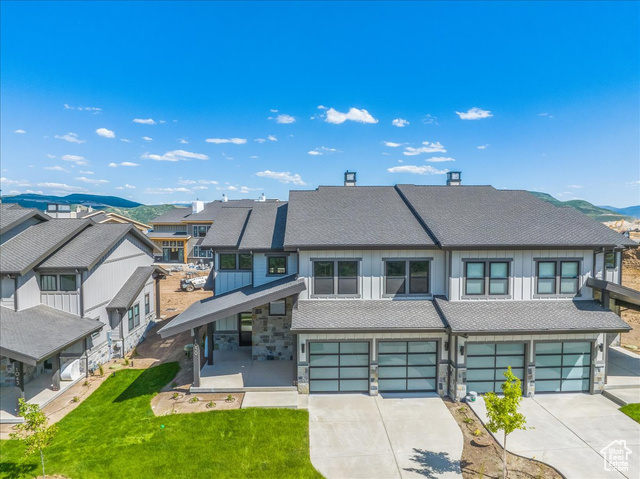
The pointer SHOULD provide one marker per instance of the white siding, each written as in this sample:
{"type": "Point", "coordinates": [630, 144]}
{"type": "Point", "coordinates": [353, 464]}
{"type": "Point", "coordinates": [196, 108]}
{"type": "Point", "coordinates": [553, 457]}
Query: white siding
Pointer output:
{"type": "Point", "coordinates": [230, 280]}
{"type": "Point", "coordinates": [260, 275]}
{"type": "Point", "coordinates": [523, 270]}
{"type": "Point", "coordinates": [62, 300]}
{"type": "Point", "coordinates": [7, 292]}
{"type": "Point", "coordinates": [372, 268]}
{"type": "Point", "coordinates": [230, 323]}
{"type": "Point", "coordinates": [28, 293]}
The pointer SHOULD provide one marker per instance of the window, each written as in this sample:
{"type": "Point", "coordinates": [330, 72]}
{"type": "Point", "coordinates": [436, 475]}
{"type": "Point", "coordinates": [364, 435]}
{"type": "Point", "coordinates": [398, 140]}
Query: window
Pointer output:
{"type": "Point", "coordinates": [335, 277]}
{"type": "Point", "coordinates": [147, 304]}
{"type": "Point", "coordinates": [227, 261]}
{"type": "Point", "coordinates": [323, 277]}
{"type": "Point", "coordinates": [396, 277]}
{"type": "Point", "coordinates": [558, 277]}
{"type": "Point", "coordinates": [200, 252]}
{"type": "Point", "coordinates": [136, 315]}
{"type": "Point", "coordinates": [68, 282]}
{"type": "Point", "coordinates": [245, 261]}
{"type": "Point", "coordinates": [200, 231]}
{"type": "Point", "coordinates": [130, 318]}
{"type": "Point", "coordinates": [486, 278]}
{"type": "Point", "coordinates": [277, 265]}
{"type": "Point", "coordinates": [277, 308]}
{"type": "Point", "coordinates": [610, 260]}
{"type": "Point", "coordinates": [48, 282]}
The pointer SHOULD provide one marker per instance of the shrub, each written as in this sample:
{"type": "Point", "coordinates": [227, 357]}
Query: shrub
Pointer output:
{"type": "Point", "coordinates": [229, 398]}
{"type": "Point", "coordinates": [101, 369]}
{"type": "Point", "coordinates": [211, 404]}
{"type": "Point", "coordinates": [194, 399]}
{"type": "Point", "coordinates": [75, 399]}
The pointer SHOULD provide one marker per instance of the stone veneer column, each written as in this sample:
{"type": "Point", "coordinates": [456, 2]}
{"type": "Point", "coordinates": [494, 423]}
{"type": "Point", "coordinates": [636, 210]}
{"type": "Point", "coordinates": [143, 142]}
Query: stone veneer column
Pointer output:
{"type": "Point", "coordinates": [271, 335]}
{"type": "Point", "coordinates": [303, 378]}
{"type": "Point", "coordinates": [443, 379]}
{"type": "Point", "coordinates": [373, 380]}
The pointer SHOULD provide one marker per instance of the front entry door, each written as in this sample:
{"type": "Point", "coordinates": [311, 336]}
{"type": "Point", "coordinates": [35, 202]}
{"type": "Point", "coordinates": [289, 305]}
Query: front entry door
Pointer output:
{"type": "Point", "coordinates": [245, 327]}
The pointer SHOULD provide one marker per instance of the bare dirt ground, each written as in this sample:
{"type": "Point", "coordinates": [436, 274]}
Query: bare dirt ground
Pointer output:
{"type": "Point", "coordinates": [178, 403]}
{"type": "Point", "coordinates": [631, 279]}
{"type": "Point", "coordinates": [482, 455]}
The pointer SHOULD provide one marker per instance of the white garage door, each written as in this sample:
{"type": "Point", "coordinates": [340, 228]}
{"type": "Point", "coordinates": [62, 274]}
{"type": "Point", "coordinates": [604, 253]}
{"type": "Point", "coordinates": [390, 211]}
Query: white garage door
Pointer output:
{"type": "Point", "coordinates": [563, 367]}
{"type": "Point", "coordinates": [407, 366]}
{"type": "Point", "coordinates": [339, 367]}
{"type": "Point", "coordinates": [487, 362]}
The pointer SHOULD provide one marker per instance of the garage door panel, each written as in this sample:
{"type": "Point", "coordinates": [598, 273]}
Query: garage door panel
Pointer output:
{"type": "Point", "coordinates": [421, 384]}
{"type": "Point", "coordinates": [323, 386]}
{"type": "Point", "coordinates": [392, 384]}
{"type": "Point", "coordinates": [421, 371]}
{"type": "Point", "coordinates": [563, 367]}
{"type": "Point", "coordinates": [480, 374]}
{"type": "Point", "coordinates": [480, 387]}
{"type": "Point", "coordinates": [354, 360]}
{"type": "Point", "coordinates": [354, 373]}
{"type": "Point", "coordinates": [354, 385]}
{"type": "Point", "coordinates": [385, 347]}
{"type": "Point", "coordinates": [392, 372]}
{"type": "Point", "coordinates": [392, 360]}
{"type": "Point", "coordinates": [422, 347]}
{"type": "Point", "coordinates": [421, 359]}
{"type": "Point", "coordinates": [339, 367]}
{"type": "Point", "coordinates": [575, 360]}
{"type": "Point", "coordinates": [513, 361]}
{"type": "Point", "coordinates": [323, 373]}
{"type": "Point", "coordinates": [487, 363]}
{"type": "Point", "coordinates": [327, 348]}
{"type": "Point", "coordinates": [407, 366]}
{"type": "Point", "coordinates": [323, 360]}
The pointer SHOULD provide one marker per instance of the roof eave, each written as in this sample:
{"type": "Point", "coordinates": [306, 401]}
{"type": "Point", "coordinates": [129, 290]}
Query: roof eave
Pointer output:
{"type": "Point", "coordinates": [367, 330]}
{"type": "Point", "coordinates": [476, 332]}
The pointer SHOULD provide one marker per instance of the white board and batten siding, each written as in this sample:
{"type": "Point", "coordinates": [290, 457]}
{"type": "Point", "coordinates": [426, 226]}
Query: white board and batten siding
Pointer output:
{"type": "Point", "coordinates": [7, 292]}
{"type": "Point", "coordinates": [260, 267]}
{"type": "Point", "coordinates": [68, 301]}
{"type": "Point", "coordinates": [28, 293]}
{"type": "Point", "coordinates": [522, 270]}
{"type": "Point", "coordinates": [230, 280]}
{"type": "Point", "coordinates": [372, 268]}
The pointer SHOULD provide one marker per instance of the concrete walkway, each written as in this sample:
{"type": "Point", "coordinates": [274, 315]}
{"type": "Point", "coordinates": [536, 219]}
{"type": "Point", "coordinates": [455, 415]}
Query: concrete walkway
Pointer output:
{"type": "Point", "coordinates": [569, 432]}
{"type": "Point", "coordinates": [357, 436]}
{"type": "Point", "coordinates": [623, 370]}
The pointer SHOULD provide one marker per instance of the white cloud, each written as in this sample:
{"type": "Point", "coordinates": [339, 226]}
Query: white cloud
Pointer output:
{"type": "Point", "coordinates": [439, 159]}
{"type": "Point", "coordinates": [359, 116]}
{"type": "Point", "coordinates": [200, 187]}
{"type": "Point", "coordinates": [125, 140]}
{"type": "Point", "coordinates": [416, 170]}
{"type": "Point", "coordinates": [187, 182]}
{"type": "Point", "coordinates": [162, 121]}
{"type": "Point", "coordinates": [70, 137]}
{"type": "Point", "coordinates": [260, 140]}
{"type": "Point", "coordinates": [159, 191]}
{"type": "Point", "coordinates": [7, 181]}
{"type": "Point", "coordinates": [483, 147]}
{"type": "Point", "coordinates": [61, 186]}
{"type": "Point", "coordinates": [322, 107]}
{"type": "Point", "coordinates": [391, 144]}
{"type": "Point", "coordinates": [50, 156]}
{"type": "Point", "coordinates": [183, 141]}
{"type": "Point", "coordinates": [208, 182]}
{"type": "Point", "coordinates": [427, 148]}
{"type": "Point", "coordinates": [314, 153]}
{"type": "Point", "coordinates": [272, 138]}
{"type": "Point", "coordinates": [219, 141]}
{"type": "Point", "coordinates": [103, 132]}
{"type": "Point", "coordinates": [474, 113]}
{"type": "Point", "coordinates": [78, 160]}
{"type": "Point", "coordinates": [282, 177]}
{"type": "Point", "coordinates": [400, 122]}
{"type": "Point", "coordinates": [20, 131]}
{"type": "Point", "coordinates": [148, 121]}
{"type": "Point", "coordinates": [84, 179]}
{"type": "Point", "coordinates": [112, 165]}
{"type": "Point", "coordinates": [83, 108]}
{"type": "Point", "coordinates": [175, 155]}
{"type": "Point", "coordinates": [86, 172]}
{"type": "Point", "coordinates": [254, 157]}
{"type": "Point", "coordinates": [56, 168]}
{"type": "Point", "coordinates": [273, 110]}
{"type": "Point", "coordinates": [126, 187]}
{"type": "Point", "coordinates": [124, 163]}
{"type": "Point", "coordinates": [322, 150]}
{"type": "Point", "coordinates": [430, 120]}
{"type": "Point", "coordinates": [285, 119]}
{"type": "Point", "coordinates": [244, 190]}
{"type": "Point", "coordinates": [545, 114]}
{"type": "Point", "coordinates": [147, 138]}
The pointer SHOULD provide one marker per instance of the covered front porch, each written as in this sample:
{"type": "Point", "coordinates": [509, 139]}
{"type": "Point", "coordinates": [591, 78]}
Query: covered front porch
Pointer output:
{"type": "Point", "coordinates": [236, 371]}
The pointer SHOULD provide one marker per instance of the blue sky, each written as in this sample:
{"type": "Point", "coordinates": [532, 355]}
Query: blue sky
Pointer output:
{"type": "Point", "coordinates": [120, 98]}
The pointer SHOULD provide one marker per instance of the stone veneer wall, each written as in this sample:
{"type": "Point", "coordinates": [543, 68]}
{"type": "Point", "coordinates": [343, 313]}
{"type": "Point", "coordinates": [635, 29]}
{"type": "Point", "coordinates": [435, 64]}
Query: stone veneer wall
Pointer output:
{"type": "Point", "coordinates": [226, 341]}
{"type": "Point", "coordinates": [271, 336]}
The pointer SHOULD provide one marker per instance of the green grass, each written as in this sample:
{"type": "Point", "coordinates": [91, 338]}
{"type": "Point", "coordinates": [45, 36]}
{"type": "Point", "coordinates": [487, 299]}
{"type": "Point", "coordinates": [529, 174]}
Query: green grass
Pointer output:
{"type": "Point", "coordinates": [114, 434]}
{"type": "Point", "coordinates": [632, 410]}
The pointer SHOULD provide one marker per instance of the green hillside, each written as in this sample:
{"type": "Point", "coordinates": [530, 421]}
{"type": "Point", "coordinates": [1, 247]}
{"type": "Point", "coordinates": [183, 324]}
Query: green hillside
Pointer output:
{"type": "Point", "coordinates": [144, 213]}
{"type": "Point", "coordinates": [595, 212]}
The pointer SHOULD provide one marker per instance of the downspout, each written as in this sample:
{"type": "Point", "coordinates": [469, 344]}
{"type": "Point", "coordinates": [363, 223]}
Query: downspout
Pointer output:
{"type": "Point", "coordinates": [81, 295]}
{"type": "Point", "coordinates": [121, 332]}
{"type": "Point", "coordinates": [15, 294]}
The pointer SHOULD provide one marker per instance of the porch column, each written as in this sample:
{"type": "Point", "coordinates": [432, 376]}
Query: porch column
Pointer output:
{"type": "Point", "coordinates": [19, 377]}
{"type": "Point", "coordinates": [157, 298]}
{"type": "Point", "coordinates": [55, 380]}
{"type": "Point", "coordinates": [210, 344]}
{"type": "Point", "coordinates": [86, 358]}
{"type": "Point", "coordinates": [196, 357]}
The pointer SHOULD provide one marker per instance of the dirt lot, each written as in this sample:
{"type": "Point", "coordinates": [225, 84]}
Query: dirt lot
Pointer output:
{"type": "Point", "coordinates": [173, 299]}
{"type": "Point", "coordinates": [631, 279]}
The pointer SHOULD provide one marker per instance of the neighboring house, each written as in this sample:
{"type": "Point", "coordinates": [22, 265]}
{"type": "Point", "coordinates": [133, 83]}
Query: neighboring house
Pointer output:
{"type": "Point", "coordinates": [415, 289]}
{"type": "Point", "coordinates": [74, 294]}
{"type": "Point", "coordinates": [56, 210]}
{"type": "Point", "coordinates": [179, 232]}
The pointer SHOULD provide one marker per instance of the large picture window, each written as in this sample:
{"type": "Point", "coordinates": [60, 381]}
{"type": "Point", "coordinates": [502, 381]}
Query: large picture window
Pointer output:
{"type": "Point", "coordinates": [559, 277]}
{"type": "Point", "coordinates": [486, 278]}
{"type": "Point", "coordinates": [68, 282]}
{"type": "Point", "coordinates": [332, 277]}
{"type": "Point", "coordinates": [228, 261]}
{"type": "Point", "coordinates": [277, 265]}
{"type": "Point", "coordinates": [406, 277]}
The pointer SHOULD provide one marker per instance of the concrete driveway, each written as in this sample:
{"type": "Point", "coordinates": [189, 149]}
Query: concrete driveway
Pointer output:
{"type": "Point", "coordinates": [570, 431]}
{"type": "Point", "coordinates": [357, 436]}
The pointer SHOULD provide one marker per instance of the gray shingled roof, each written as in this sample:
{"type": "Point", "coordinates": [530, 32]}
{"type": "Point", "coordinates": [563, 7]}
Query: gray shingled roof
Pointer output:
{"type": "Point", "coordinates": [12, 214]}
{"type": "Point", "coordinates": [481, 216]}
{"type": "Point", "coordinates": [259, 227]}
{"type": "Point", "coordinates": [529, 316]}
{"type": "Point", "coordinates": [34, 334]}
{"type": "Point", "coordinates": [355, 314]}
{"type": "Point", "coordinates": [244, 299]}
{"type": "Point", "coordinates": [211, 210]}
{"type": "Point", "coordinates": [175, 235]}
{"type": "Point", "coordinates": [227, 229]}
{"type": "Point", "coordinates": [130, 290]}
{"type": "Point", "coordinates": [88, 247]}
{"type": "Point", "coordinates": [176, 215]}
{"type": "Point", "coordinates": [360, 216]}
{"type": "Point", "coordinates": [25, 250]}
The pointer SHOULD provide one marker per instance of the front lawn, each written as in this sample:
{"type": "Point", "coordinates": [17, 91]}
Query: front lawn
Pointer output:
{"type": "Point", "coordinates": [632, 410]}
{"type": "Point", "coordinates": [114, 434]}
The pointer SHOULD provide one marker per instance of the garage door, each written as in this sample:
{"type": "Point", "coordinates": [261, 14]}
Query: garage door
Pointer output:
{"type": "Point", "coordinates": [563, 367]}
{"type": "Point", "coordinates": [487, 362]}
{"type": "Point", "coordinates": [407, 366]}
{"type": "Point", "coordinates": [339, 367]}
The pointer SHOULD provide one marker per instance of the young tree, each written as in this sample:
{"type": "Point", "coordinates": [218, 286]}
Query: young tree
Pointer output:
{"type": "Point", "coordinates": [33, 432]}
{"type": "Point", "coordinates": [503, 412]}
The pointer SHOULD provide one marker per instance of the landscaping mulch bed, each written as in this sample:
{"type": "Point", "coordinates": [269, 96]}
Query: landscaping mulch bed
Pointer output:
{"type": "Point", "coordinates": [176, 402]}
{"type": "Point", "coordinates": [482, 455]}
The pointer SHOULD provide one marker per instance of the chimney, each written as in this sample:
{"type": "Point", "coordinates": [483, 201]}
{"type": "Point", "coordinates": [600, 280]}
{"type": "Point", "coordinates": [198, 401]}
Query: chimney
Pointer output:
{"type": "Point", "coordinates": [349, 178]}
{"type": "Point", "coordinates": [454, 178]}
{"type": "Point", "coordinates": [262, 198]}
{"type": "Point", "coordinates": [90, 209]}
{"type": "Point", "coordinates": [197, 207]}
{"type": "Point", "coordinates": [224, 198]}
